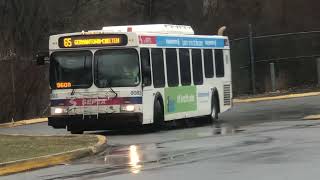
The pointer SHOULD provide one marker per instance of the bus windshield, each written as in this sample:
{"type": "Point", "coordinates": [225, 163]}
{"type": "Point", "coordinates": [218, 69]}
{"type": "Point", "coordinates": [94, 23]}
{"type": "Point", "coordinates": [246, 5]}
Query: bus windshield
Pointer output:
{"type": "Point", "coordinates": [117, 68]}
{"type": "Point", "coordinates": [71, 70]}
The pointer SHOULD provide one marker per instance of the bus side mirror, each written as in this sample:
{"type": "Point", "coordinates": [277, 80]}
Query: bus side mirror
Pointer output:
{"type": "Point", "coordinates": [41, 58]}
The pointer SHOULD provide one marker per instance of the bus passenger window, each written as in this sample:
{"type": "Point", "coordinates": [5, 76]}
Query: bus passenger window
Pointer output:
{"type": "Point", "coordinates": [219, 63]}
{"type": "Point", "coordinates": [146, 68]}
{"type": "Point", "coordinates": [172, 67]}
{"type": "Point", "coordinates": [197, 67]}
{"type": "Point", "coordinates": [185, 70]}
{"type": "Point", "coordinates": [158, 68]}
{"type": "Point", "coordinates": [208, 63]}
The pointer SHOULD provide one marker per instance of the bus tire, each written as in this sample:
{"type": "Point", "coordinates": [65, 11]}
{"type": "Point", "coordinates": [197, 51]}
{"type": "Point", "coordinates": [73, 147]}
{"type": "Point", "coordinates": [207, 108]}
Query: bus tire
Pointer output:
{"type": "Point", "coordinates": [214, 110]}
{"type": "Point", "coordinates": [74, 130]}
{"type": "Point", "coordinates": [158, 115]}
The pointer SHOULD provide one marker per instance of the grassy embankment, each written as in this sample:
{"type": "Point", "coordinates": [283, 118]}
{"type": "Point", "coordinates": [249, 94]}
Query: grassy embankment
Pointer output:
{"type": "Point", "coordinates": [15, 148]}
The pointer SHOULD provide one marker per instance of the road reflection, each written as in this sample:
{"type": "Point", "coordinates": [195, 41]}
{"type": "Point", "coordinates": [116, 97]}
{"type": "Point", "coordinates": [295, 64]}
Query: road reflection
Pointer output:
{"type": "Point", "coordinates": [135, 166]}
{"type": "Point", "coordinates": [224, 129]}
{"type": "Point", "coordinates": [131, 157]}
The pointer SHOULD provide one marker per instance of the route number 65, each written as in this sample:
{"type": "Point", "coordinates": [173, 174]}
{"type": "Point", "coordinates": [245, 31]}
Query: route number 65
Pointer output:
{"type": "Point", "coordinates": [67, 42]}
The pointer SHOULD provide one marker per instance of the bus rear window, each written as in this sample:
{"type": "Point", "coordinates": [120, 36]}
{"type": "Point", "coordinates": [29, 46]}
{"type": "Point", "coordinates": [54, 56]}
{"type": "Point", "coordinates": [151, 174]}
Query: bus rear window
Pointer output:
{"type": "Point", "coordinates": [208, 63]}
{"type": "Point", "coordinates": [219, 63]}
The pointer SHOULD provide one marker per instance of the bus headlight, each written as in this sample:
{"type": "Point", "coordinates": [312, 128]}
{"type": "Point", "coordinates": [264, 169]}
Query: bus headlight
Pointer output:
{"type": "Point", "coordinates": [128, 108]}
{"type": "Point", "coordinates": [58, 110]}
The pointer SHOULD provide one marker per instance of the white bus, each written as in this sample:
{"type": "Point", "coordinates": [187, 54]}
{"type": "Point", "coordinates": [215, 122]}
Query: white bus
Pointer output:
{"type": "Point", "coordinates": [125, 76]}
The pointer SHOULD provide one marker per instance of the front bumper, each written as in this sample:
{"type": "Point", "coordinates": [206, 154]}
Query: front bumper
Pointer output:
{"type": "Point", "coordinates": [94, 122]}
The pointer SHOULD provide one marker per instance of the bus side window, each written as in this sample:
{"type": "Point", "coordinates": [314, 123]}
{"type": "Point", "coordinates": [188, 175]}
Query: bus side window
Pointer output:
{"type": "Point", "coordinates": [146, 66]}
{"type": "Point", "coordinates": [158, 68]}
{"type": "Point", "coordinates": [197, 67]}
{"type": "Point", "coordinates": [208, 63]}
{"type": "Point", "coordinates": [219, 63]}
{"type": "Point", "coordinates": [185, 69]}
{"type": "Point", "coordinates": [172, 67]}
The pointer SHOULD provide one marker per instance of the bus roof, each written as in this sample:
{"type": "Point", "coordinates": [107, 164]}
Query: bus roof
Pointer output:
{"type": "Point", "coordinates": [159, 35]}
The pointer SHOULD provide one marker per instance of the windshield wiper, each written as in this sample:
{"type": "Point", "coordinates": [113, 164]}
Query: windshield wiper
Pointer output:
{"type": "Point", "coordinates": [115, 93]}
{"type": "Point", "coordinates": [73, 92]}
{"type": "Point", "coordinates": [109, 87]}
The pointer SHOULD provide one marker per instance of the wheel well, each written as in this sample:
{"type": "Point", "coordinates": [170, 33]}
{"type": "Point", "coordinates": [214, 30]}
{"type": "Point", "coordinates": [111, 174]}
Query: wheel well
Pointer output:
{"type": "Point", "coordinates": [216, 96]}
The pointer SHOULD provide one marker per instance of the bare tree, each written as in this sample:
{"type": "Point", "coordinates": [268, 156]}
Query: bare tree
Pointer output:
{"type": "Point", "coordinates": [24, 23]}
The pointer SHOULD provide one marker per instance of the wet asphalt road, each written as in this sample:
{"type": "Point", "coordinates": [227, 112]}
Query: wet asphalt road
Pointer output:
{"type": "Point", "coordinates": [265, 140]}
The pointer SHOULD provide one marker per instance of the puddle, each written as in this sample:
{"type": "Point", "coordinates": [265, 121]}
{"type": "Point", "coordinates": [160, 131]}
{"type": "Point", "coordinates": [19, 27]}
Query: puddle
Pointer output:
{"type": "Point", "coordinates": [225, 129]}
{"type": "Point", "coordinates": [132, 157]}
{"type": "Point", "coordinates": [216, 129]}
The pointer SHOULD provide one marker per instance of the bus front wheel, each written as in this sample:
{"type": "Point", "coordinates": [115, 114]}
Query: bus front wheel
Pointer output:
{"type": "Point", "coordinates": [74, 130]}
{"type": "Point", "coordinates": [158, 116]}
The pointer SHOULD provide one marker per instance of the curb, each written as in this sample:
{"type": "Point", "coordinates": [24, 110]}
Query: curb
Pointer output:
{"type": "Point", "coordinates": [24, 122]}
{"type": "Point", "coordinates": [52, 160]}
{"type": "Point", "coordinates": [289, 96]}
{"type": "Point", "coordinates": [312, 117]}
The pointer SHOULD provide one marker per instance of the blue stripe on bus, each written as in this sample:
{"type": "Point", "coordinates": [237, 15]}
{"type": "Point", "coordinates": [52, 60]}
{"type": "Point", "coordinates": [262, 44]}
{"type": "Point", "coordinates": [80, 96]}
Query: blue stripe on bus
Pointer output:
{"type": "Point", "coordinates": [134, 100]}
{"type": "Point", "coordinates": [166, 41]}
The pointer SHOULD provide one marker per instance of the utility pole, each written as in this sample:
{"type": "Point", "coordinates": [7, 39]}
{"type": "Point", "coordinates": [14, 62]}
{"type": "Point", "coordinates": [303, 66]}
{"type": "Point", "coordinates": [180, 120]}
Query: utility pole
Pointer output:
{"type": "Point", "coordinates": [252, 60]}
{"type": "Point", "coordinates": [13, 91]}
{"type": "Point", "coordinates": [149, 10]}
{"type": "Point", "coordinates": [273, 77]}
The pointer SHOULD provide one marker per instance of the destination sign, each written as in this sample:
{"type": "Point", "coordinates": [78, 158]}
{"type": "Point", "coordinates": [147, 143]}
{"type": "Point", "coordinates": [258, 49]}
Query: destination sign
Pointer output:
{"type": "Point", "coordinates": [97, 40]}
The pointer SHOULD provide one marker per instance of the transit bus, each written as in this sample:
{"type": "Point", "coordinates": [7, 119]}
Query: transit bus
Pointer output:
{"type": "Point", "coordinates": [124, 76]}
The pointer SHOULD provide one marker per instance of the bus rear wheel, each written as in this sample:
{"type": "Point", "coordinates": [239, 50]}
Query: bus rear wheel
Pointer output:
{"type": "Point", "coordinates": [214, 110]}
{"type": "Point", "coordinates": [158, 116]}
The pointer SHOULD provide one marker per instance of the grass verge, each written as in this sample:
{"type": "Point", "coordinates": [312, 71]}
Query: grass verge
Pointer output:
{"type": "Point", "coordinates": [15, 148]}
